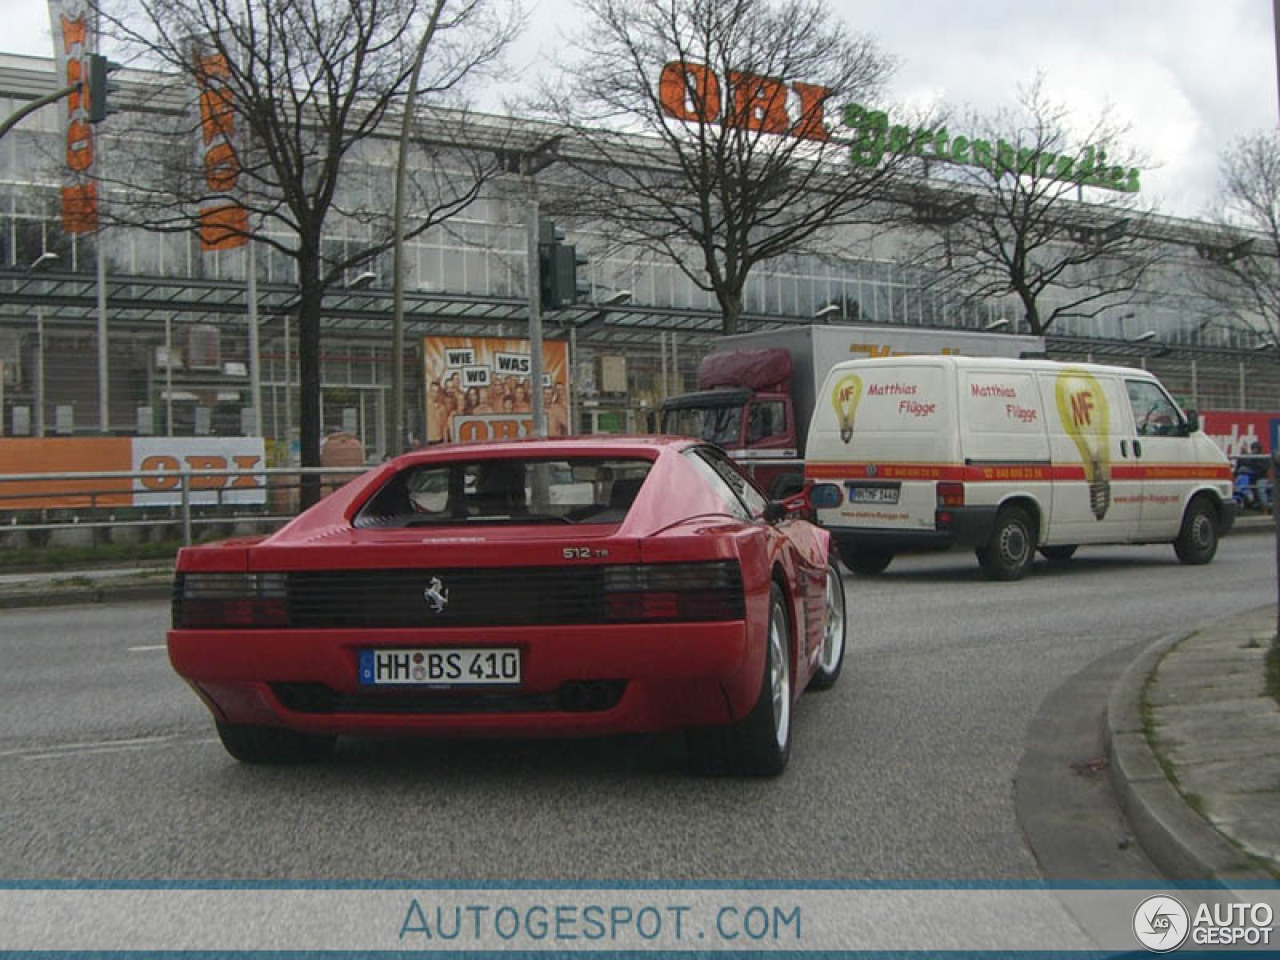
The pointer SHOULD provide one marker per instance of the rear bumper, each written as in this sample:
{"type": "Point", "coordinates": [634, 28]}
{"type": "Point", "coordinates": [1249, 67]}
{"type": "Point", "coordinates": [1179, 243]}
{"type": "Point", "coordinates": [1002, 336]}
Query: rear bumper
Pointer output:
{"type": "Point", "coordinates": [641, 678]}
{"type": "Point", "coordinates": [953, 527]}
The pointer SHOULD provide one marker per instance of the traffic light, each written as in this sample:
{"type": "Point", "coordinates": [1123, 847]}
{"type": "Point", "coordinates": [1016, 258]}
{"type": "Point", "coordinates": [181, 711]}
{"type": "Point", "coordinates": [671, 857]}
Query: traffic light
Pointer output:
{"type": "Point", "coordinates": [558, 265]}
{"type": "Point", "coordinates": [100, 88]}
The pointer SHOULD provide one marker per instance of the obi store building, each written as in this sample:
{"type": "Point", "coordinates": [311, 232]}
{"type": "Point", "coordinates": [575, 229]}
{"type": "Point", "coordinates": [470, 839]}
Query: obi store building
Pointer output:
{"type": "Point", "coordinates": [141, 333]}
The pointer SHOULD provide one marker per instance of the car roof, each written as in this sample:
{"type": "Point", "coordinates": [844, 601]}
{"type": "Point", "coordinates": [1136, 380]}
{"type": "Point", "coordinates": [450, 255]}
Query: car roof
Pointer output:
{"type": "Point", "coordinates": [612, 445]}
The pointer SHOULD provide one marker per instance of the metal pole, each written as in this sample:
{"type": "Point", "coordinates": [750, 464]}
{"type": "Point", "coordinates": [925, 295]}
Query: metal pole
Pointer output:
{"type": "Point", "coordinates": [104, 406]}
{"type": "Point", "coordinates": [186, 504]}
{"type": "Point", "coordinates": [535, 311]}
{"type": "Point", "coordinates": [168, 376]}
{"type": "Point", "coordinates": [288, 390]}
{"type": "Point", "coordinates": [572, 375]}
{"type": "Point", "coordinates": [39, 371]}
{"type": "Point", "coordinates": [255, 353]}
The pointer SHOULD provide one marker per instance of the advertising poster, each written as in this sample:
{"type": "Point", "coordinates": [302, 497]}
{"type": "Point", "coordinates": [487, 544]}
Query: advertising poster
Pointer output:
{"type": "Point", "coordinates": [477, 388]}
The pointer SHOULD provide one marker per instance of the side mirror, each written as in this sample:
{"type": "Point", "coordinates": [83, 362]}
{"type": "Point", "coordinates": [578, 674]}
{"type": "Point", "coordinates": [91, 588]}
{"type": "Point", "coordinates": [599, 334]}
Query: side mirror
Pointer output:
{"type": "Point", "coordinates": [1193, 421]}
{"type": "Point", "coordinates": [778, 510]}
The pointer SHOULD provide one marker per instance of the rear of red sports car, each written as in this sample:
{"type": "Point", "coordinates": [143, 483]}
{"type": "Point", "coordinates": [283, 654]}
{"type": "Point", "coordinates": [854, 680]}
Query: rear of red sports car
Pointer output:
{"type": "Point", "coordinates": [548, 587]}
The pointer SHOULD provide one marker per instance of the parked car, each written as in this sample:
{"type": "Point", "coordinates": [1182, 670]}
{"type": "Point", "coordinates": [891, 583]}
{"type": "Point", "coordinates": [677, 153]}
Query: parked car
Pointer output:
{"type": "Point", "coordinates": [576, 586]}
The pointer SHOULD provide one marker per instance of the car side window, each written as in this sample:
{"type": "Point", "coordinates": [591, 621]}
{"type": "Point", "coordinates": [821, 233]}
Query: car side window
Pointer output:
{"type": "Point", "coordinates": [732, 503]}
{"type": "Point", "coordinates": [1154, 414]}
{"type": "Point", "coordinates": [743, 489]}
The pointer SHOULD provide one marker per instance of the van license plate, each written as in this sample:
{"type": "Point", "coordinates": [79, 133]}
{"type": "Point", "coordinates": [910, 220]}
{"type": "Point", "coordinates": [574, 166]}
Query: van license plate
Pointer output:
{"type": "Point", "coordinates": [439, 666]}
{"type": "Point", "coordinates": [878, 494]}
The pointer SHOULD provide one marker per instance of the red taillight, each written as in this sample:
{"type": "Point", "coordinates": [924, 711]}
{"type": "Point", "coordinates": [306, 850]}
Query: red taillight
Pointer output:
{"type": "Point", "coordinates": [950, 495]}
{"type": "Point", "coordinates": [673, 592]}
{"type": "Point", "coordinates": [211, 601]}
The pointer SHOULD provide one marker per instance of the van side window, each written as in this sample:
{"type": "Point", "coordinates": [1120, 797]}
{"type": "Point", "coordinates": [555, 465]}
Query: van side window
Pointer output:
{"type": "Point", "coordinates": [1154, 414]}
{"type": "Point", "coordinates": [766, 419]}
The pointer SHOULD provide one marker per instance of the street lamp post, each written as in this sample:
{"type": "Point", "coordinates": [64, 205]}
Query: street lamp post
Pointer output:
{"type": "Point", "coordinates": [47, 257]}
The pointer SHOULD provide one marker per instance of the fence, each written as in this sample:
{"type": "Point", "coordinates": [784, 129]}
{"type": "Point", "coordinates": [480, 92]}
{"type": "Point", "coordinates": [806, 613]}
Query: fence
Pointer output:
{"type": "Point", "coordinates": [39, 505]}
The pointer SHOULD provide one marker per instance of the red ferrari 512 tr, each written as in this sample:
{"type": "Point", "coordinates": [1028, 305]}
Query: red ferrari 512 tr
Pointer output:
{"type": "Point", "coordinates": [576, 586]}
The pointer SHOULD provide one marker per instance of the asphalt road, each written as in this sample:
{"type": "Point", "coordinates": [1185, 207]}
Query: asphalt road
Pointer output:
{"type": "Point", "coordinates": [109, 768]}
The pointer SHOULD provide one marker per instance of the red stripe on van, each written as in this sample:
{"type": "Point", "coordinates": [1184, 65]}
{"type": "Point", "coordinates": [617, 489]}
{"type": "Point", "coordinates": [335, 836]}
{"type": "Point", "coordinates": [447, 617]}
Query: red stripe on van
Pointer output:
{"type": "Point", "coordinates": [1010, 472]}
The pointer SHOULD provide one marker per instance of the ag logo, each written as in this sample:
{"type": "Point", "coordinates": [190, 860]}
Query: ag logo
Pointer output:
{"type": "Point", "coordinates": [1161, 923]}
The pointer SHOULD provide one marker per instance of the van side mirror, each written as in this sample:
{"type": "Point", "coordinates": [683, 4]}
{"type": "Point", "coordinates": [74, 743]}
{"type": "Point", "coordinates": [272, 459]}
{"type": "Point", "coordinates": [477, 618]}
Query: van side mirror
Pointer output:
{"type": "Point", "coordinates": [1193, 422]}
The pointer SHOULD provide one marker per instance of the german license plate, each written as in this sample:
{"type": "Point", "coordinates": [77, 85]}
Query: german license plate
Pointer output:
{"type": "Point", "coordinates": [862, 494]}
{"type": "Point", "coordinates": [439, 666]}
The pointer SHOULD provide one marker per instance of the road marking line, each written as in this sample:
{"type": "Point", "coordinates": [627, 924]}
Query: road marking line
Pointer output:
{"type": "Point", "coordinates": [154, 646]}
{"type": "Point", "coordinates": [97, 746]}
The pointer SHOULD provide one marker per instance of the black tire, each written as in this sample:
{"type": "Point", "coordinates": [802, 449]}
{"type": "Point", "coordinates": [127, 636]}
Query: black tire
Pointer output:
{"type": "Point", "coordinates": [864, 562]}
{"type": "Point", "coordinates": [759, 744]}
{"type": "Point", "coordinates": [1197, 541]}
{"type": "Point", "coordinates": [1009, 554]}
{"type": "Point", "coordinates": [1060, 554]}
{"type": "Point", "coordinates": [835, 630]}
{"type": "Point", "coordinates": [270, 745]}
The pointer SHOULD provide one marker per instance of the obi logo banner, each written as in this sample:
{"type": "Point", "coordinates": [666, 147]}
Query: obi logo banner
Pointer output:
{"type": "Point", "coordinates": [74, 38]}
{"type": "Point", "coordinates": [166, 457]}
{"type": "Point", "coordinates": [1083, 412]}
{"type": "Point", "coordinates": [478, 388]}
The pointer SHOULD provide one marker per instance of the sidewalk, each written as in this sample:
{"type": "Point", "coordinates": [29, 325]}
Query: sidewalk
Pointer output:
{"type": "Point", "coordinates": [1194, 742]}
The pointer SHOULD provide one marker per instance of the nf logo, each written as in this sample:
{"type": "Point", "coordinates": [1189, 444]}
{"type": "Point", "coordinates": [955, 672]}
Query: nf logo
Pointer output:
{"type": "Point", "coordinates": [1161, 923]}
{"type": "Point", "coordinates": [436, 595]}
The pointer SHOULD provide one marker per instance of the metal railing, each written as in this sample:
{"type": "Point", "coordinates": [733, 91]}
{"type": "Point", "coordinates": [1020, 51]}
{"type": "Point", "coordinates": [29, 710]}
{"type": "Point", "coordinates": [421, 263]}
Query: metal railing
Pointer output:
{"type": "Point", "coordinates": [188, 499]}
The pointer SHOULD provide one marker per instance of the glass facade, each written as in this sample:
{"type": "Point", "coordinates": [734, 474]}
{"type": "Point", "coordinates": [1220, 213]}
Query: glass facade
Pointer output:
{"type": "Point", "coordinates": [178, 354]}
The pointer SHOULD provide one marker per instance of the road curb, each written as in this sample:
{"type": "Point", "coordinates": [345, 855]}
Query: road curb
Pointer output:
{"type": "Point", "coordinates": [59, 595]}
{"type": "Point", "coordinates": [1178, 840]}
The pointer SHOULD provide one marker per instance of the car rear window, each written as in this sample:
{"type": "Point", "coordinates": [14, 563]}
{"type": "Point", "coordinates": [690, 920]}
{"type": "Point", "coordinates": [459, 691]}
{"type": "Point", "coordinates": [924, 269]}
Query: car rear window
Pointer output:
{"type": "Point", "coordinates": [506, 491]}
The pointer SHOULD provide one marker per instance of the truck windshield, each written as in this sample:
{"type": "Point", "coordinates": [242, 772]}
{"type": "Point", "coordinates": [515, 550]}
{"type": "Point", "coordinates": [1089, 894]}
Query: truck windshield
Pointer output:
{"type": "Point", "coordinates": [719, 425]}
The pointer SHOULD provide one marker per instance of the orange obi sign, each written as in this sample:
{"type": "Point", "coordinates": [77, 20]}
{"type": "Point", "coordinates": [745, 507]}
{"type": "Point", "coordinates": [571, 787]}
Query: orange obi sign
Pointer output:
{"type": "Point", "coordinates": [692, 92]}
{"type": "Point", "coordinates": [74, 38]}
{"type": "Point", "coordinates": [224, 223]}
{"type": "Point", "coordinates": [165, 459]}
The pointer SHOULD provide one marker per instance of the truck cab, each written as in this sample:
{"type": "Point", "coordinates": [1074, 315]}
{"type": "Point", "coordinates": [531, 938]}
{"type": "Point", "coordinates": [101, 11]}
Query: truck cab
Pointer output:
{"type": "Point", "coordinates": [746, 408]}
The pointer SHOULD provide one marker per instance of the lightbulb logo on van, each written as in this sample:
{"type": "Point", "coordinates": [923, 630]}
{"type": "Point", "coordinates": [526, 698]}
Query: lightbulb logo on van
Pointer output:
{"type": "Point", "coordinates": [844, 398]}
{"type": "Point", "coordinates": [1082, 408]}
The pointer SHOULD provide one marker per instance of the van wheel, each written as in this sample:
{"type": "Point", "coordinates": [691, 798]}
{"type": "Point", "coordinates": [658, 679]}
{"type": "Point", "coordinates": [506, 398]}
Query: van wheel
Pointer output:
{"type": "Point", "coordinates": [1012, 547]}
{"type": "Point", "coordinates": [1197, 542]}
{"type": "Point", "coordinates": [865, 562]}
{"type": "Point", "coordinates": [1058, 554]}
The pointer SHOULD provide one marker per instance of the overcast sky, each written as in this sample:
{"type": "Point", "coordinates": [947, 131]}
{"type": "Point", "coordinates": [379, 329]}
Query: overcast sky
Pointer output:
{"type": "Point", "coordinates": [1187, 75]}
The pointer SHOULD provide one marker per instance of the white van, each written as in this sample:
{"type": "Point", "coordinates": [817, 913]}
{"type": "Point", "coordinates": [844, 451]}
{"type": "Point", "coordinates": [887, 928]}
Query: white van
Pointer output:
{"type": "Point", "coordinates": [1007, 457]}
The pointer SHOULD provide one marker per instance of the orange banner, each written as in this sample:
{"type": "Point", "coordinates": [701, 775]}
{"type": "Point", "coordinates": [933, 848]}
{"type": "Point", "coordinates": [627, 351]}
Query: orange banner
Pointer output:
{"type": "Point", "coordinates": [74, 38]}
{"type": "Point", "coordinates": [65, 455]}
{"type": "Point", "coordinates": [224, 223]}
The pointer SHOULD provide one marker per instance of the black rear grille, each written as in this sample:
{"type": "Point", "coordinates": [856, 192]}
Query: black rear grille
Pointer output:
{"type": "Point", "coordinates": [579, 696]}
{"type": "Point", "coordinates": [497, 597]}
{"type": "Point", "coordinates": [474, 597]}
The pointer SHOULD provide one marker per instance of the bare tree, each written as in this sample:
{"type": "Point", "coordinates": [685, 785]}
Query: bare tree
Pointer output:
{"type": "Point", "coordinates": [1243, 280]}
{"type": "Point", "coordinates": [1031, 206]}
{"type": "Point", "coordinates": [273, 108]}
{"type": "Point", "coordinates": [739, 163]}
